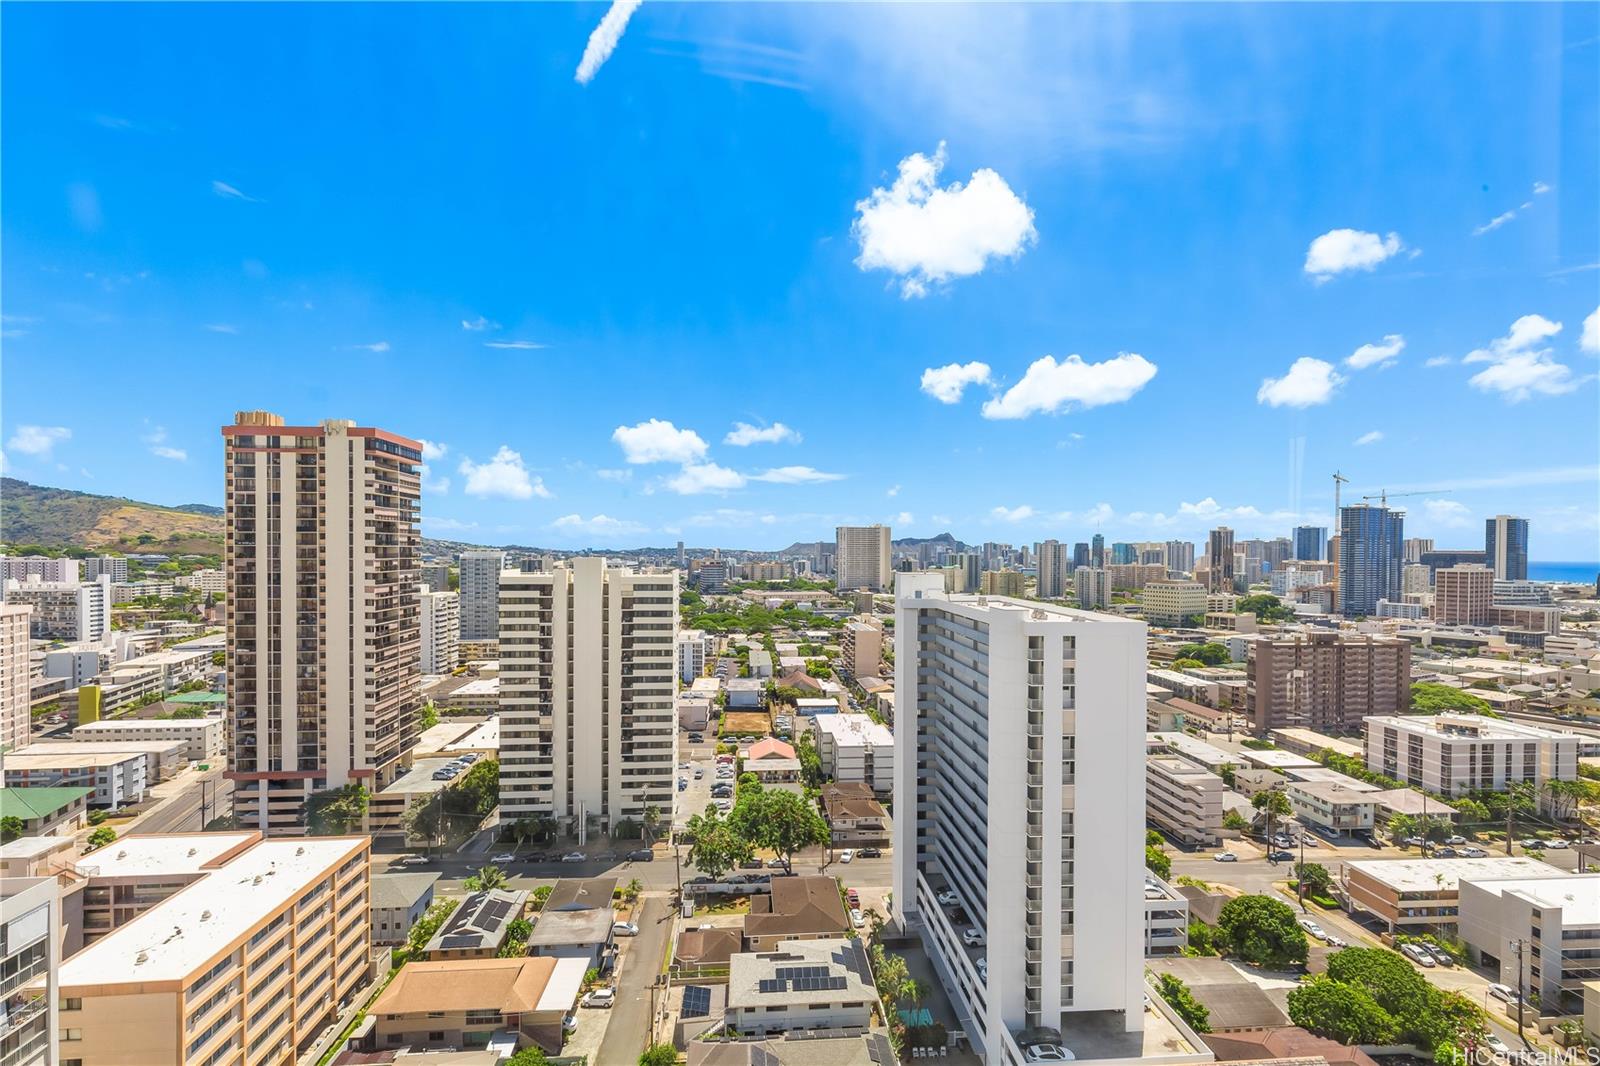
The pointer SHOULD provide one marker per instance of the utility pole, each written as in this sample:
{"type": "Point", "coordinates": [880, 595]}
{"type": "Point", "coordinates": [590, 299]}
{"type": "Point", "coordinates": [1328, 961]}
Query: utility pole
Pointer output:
{"type": "Point", "coordinates": [1520, 1008]}
{"type": "Point", "coordinates": [1300, 874]}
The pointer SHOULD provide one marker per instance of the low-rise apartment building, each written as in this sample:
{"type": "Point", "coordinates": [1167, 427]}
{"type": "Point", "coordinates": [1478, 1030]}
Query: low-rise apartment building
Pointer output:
{"type": "Point", "coordinates": [802, 985]}
{"type": "Point", "coordinates": [115, 779]}
{"type": "Point", "coordinates": [852, 747]}
{"type": "Point", "coordinates": [398, 901]}
{"type": "Point", "coordinates": [854, 814]}
{"type": "Point", "coordinates": [1183, 800]}
{"type": "Point", "coordinates": [1332, 806]}
{"type": "Point", "coordinates": [1421, 895]}
{"type": "Point", "coordinates": [862, 647]}
{"type": "Point", "coordinates": [1555, 921]}
{"type": "Point", "coordinates": [248, 963]}
{"type": "Point", "coordinates": [1172, 603]}
{"type": "Point", "coordinates": [1452, 754]}
{"type": "Point", "coordinates": [202, 737]}
{"type": "Point", "coordinates": [461, 1004]}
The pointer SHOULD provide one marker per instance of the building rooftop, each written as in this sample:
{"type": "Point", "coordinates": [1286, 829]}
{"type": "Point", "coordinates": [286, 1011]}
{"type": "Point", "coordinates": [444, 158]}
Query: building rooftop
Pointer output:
{"type": "Point", "coordinates": [1418, 875]}
{"type": "Point", "coordinates": [562, 928]}
{"type": "Point", "coordinates": [1037, 610]}
{"type": "Point", "coordinates": [581, 894]}
{"type": "Point", "coordinates": [399, 891]}
{"type": "Point", "coordinates": [1578, 895]}
{"type": "Point", "coordinates": [1190, 748]}
{"type": "Point", "coordinates": [193, 926]}
{"type": "Point", "coordinates": [30, 803]}
{"type": "Point", "coordinates": [177, 725]}
{"type": "Point", "coordinates": [708, 947]}
{"type": "Point", "coordinates": [1333, 792]}
{"type": "Point", "coordinates": [1234, 1000]}
{"type": "Point", "coordinates": [33, 847]}
{"type": "Point", "coordinates": [480, 922]}
{"type": "Point", "coordinates": [419, 779]}
{"type": "Point", "coordinates": [70, 757]}
{"type": "Point", "coordinates": [797, 972]}
{"type": "Point", "coordinates": [797, 905]}
{"type": "Point", "coordinates": [1329, 777]}
{"type": "Point", "coordinates": [511, 986]}
{"type": "Point", "coordinates": [1275, 758]}
{"type": "Point", "coordinates": [176, 853]}
{"type": "Point", "coordinates": [854, 730]}
{"type": "Point", "coordinates": [1466, 726]}
{"type": "Point", "coordinates": [769, 748]}
{"type": "Point", "coordinates": [485, 736]}
{"type": "Point", "coordinates": [869, 1049]}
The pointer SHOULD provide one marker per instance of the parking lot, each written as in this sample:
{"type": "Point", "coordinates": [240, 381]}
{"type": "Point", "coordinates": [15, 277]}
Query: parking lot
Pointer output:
{"type": "Point", "coordinates": [694, 799]}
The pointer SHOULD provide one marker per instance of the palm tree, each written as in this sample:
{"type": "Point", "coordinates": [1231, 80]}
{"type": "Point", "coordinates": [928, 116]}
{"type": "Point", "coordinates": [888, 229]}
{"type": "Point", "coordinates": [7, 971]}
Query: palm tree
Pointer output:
{"type": "Point", "coordinates": [486, 879]}
{"type": "Point", "coordinates": [652, 819]}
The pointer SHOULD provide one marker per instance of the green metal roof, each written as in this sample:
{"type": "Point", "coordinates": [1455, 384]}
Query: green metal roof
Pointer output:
{"type": "Point", "coordinates": [28, 803]}
{"type": "Point", "coordinates": [198, 697]}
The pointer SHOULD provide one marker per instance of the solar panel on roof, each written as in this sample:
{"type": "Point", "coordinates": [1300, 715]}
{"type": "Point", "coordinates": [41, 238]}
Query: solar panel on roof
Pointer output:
{"type": "Point", "coordinates": [459, 942]}
{"type": "Point", "coordinates": [696, 1001]}
{"type": "Point", "coordinates": [768, 984]}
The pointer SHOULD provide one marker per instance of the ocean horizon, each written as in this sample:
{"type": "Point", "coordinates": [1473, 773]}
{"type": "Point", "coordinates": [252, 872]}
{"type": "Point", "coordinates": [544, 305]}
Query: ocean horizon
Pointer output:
{"type": "Point", "coordinates": [1583, 572]}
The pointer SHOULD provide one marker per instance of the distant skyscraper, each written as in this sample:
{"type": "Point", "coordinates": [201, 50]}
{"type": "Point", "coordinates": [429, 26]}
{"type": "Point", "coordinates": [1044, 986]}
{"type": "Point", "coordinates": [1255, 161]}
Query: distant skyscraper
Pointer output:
{"type": "Point", "coordinates": [1122, 553]}
{"type": "Point", "coordinates": [1371, 558]}
{"type": "Point", "coordinates": [480, 594]}
{"type": "Point", "coordinates": [441, 631]}
{"type": "Point", "coordinates": [1310, 543]}
{"type": "Point", "coordinates": [861, 558]}
{"type": "Point", "coordinates": [1180, 556]}
{"type": "Point", "coordinates": [1091, 587]}
{"type": "Point", "coordinates": [1081, 555]}
{"type": "Point", "coordinates": [1505, 547]}
{"type": "Point", "coordinates": [323, 614]}
{"type": "Point", "coordinates": [683, 561]}
{"type": "Point", "coordinates": [1415, 546]}
{"type": "Point", "coordinates": [1054, 566]}
{"type": "Point", "coordinates": [1036, 828]}
{"type": "Point", "coordinates": [1219, 555]}
{"type": "Point", "coordinates": [1097, 552]}
{"type": "Point", "coordinates": [969, 572]}
{"type": "Point", "coordinates": [436, 576]}
{"type": "Point", "coordinates": [15, 692]}
{"type": "Point", "coordinates": [1463, 595]}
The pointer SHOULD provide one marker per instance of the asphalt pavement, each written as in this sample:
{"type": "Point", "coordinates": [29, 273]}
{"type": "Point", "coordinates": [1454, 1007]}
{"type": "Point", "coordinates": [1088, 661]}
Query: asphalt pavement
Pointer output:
{"type": "Point", "coordinates": [629, 1025]}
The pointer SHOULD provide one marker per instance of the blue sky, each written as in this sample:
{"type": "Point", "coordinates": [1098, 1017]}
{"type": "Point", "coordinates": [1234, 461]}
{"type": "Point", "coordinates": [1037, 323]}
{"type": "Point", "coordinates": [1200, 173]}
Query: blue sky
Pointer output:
{"type": "Point", "coordinates": [1279, 241]}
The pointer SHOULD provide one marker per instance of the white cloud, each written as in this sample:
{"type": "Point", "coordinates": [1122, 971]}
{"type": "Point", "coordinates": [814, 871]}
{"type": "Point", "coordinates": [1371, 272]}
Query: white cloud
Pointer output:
{"type": "Point", "coordinates": [744, 434]}
{"type": "Point", "coordinates": [599, 526]}
{"type": "Point", "coordinates": [1438, 360]}
{"type": "Point", "coordinates": [228, 192]}
{"type": "Point", "coordinates": [1049, 387]}
{"type": "Point", "coordinates": [438, 485]}
{"type": "Point", "coordinates": [1341, 250]}
{"type": "Point", "coordinates": [697, 478]}
{"type": "Point", "coordinates": [1448, 513]}
{"type": "Point", "coordinates": [433, 450]}
{"type": "Point", "coordinates": [157, 440]}
{"type": "Point", "coordinates": [658, 441]}
{"type": "Point", "coordinates": [925, 235]}
{"type": "Point", "coordinates": [376, 347]}
{"type": "Point", "coordinates": [947, 383]}
{"type": "Point", "coordinates": [447, 524]}
{"type": "Point", "coordinates": [1369, 438]}
{"type": "Point", "coordinates": [1309, 382]}
{"type": "Point", "coordinates": [1375, 354]}
{"type": "Point", "coordinates": [905, 518]}
{"type": "Point", "coordinates": [504, 475]}
{"type": "Point", "coordinates": [519, 346]}
{"type": "Point", "coordinates": [1540, 188]}
{"type": "Point", "coordinates": [478, 325]}
{"type": "Point", "coordinates": [603, 41]}
{"type": "Point", "coordinates": [614, 475]}
{"type": "Point", "coordinates": [1520, 364]}
{"type": "Point", "coordinates": [222, 327]}
{"type": "Point", "coordinates": [795, 475]}
{"type": "Point", "coordinates": [1013, 514]}
{"type": "Point", "coordinates": [1494, 223]}
{"type": "Point", "coordinates": [38, 440]}
{"type": "Point", "coordinates": [1590, 341]}
{"type": "Point", "coordinates": [893, 490]}
{"type": "Point", "coordinates": [1554, 475]}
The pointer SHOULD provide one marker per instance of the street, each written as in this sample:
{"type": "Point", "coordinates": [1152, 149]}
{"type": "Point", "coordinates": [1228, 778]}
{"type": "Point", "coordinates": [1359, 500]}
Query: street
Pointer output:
{"type": "Point", "coordinates": [629, 1027]}
{"type": "Point", "coordinates": [205, 795]}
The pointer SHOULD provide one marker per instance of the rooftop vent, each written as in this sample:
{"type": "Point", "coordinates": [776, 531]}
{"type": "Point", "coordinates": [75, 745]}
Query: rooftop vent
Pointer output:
{"type": "Point", "coordinates": [142, 958]}
{"type": "Point", "coordinates": [205, 915]}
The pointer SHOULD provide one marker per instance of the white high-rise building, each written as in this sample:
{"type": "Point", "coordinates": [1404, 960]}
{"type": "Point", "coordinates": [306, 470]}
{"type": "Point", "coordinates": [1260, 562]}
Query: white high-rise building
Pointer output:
{"type": "Point", "coordinates": [78, 611]}
{"type": "Point", "coordinates": [1020, 762]}
{"type": "Point", "coordinates": [1091, 586]}
{"type": "Point", "coordinates": [694, 648]}
{"type": "Point", "coordinates": [861, 558]}
{"type": "Point", "coordinates": [1055, 566]}
{"type": "Point", "coordinates": [113, 566]}
{"type": "Point", "coordinates": [588, 730]}
{"type": "Point", "coordinates": [441, 631]}
{"type": "Point", "coordinates": [43, 567]}
{"type": "Point", "coordinates": [480, 593]}
{"type": "Point", "coordinates": [15, 687]}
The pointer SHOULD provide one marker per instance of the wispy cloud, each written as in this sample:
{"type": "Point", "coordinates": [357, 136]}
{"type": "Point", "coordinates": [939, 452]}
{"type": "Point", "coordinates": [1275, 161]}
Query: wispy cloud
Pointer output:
{"type": "Point", "coordinates": [1552, 475]}
{"type": "Point", "coordinates": [230, 192]}
{"type": "Point", "coordinates": [221, 327]}
{"type": "Point", "coordinates": [1371, 437]}
{"type": "Point", "coordinates": [1012, 514]}
{"type": "Point", "coordinates": [743, 434]}
{"type": "Point", "coordinates": [156, 439]}
{"type": "Point", "coordinates": [478, 325]}
{"type": "Point", "coordinates": [795, 475]}
{"type": "Point", "coordinates": [378, 347]}
{"type": "Point", "coordinates": [1383, 353]}
{"type": "Point", "coordinates": [1539, 189]}
{"type": "Point", "coordinates": [520, 346]}
{"type": "Point", "coordinates": [603, 41]}
{"type": "Point", "coordinates": [599, 525]}
{"type": "Point", "coordinates": [742, 61]}
{"type": "Point", "coordinates": [38, 441]}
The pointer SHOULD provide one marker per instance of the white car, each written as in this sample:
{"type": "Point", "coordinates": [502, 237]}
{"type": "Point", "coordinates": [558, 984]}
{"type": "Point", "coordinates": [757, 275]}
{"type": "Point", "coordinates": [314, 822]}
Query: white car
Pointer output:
{"type": "Point", "coordinates": [1496, 1045]}
{"type": "Point", "coordinates": [504, 856]}
{"type": "Point", "coordinates": [1418, 956]}
{"type": "Point", "coordinates": [857, 919]}
{"type": "Point", "coordinates": [1470, 852]}
{"type": "Point", "coordinates": [411, 860]}
{"type": "Point", "coordinates": [947, 898]}
{"type": "Point", "coordinates": [1225, 856]}
{"type": "Point", "coordinates": [624, 928]}
{"type": "Point", "coordinates": [1456, 839]}
{"type": "Point", "coordinates": [1048, 1053]}
{"type": "Point", "coordinates": [846, 855]}
{"type": "Point", "coordinates": [569, 1023]}
{"type": "Point", "coordinates": [983, 969]}
{"type": "Point", "coordinates": [1555, 844]}
{"type": "Point", "coordinates": [600, 997]}
{"type": "Point", "coordinates": [1312, 927]}
{"type": "Point", "coordinates": [972, 938]}
{"type": "Point", "coordinates": [1503, 992]}
{"type": "Point", "coordinates": [574, 856]}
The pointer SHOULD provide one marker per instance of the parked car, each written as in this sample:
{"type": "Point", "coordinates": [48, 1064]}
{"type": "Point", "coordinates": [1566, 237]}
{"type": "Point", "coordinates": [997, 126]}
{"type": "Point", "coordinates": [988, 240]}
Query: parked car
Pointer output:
{"type": "Point", "coordinates": [1503, 992]}
{"type": "Point", "coordinates": [1414, 841]}
{"type": "Point", "coordinates": [972, 938]}
{"type": "Point", "coordinates": [1225, 856]}
{"type": "Point", "coordinates": [1281, 856]}
{"type": "Point", "coordinates": [1445, 853]}
{"type": "Point", "coordinates": [1455, 839]}
{"type": "Point", "coordinates": [1440, 955]}
{"type": "Point", "coordinates": [683, 783]}
{"type": "Point", "coordinates": [1531, 842]}
{"type": "Point", "coordinates": [983, 968]}
{"type": "Point", "coordinates": [1418, 955]}
{"type": "Point", "coordinates": [1470, 852]}
{"type": "Point", "coordinates": [641, 855]}
{"type": "Point", "coordinates": [504, 856]}
{"type": "Point", "coordinates": [600, 997]}
{"type": "Point", "coordinates": [574, 856]}
{"type": "Point", "coordinates": [1555, 844]}
{"type": "Point", "coordinates": [750, 864]}
{"type": "Point", "coordinates": [854, 896]}
{"type": "Point", "coordinates": [413, 860]}
{"type": "Point", "coordinates": [1496, 1045]}
{"type": "Point", "coordinates": [870, 853]}
{"type": "Point", "coordinates": [846, 855]}
{"type": "Point", "coordinates": [1048, 1053]}
{"type": "Point", "coordinates": [947, 898]}
{"type": "Point", "coordinates": [857, 919]}
{"type": "Point", "coordinates": [774, 864]}
{"type": "Point", "coordinates": [569, 1023]}
{"type": "Point", "coordinates": [624, 928]}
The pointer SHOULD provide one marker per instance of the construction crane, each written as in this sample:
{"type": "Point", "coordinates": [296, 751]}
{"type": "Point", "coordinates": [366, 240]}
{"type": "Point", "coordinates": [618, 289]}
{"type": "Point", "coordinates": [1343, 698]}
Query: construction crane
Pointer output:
{"type": "Point", "coordinates": [1382, 496]}
{"type": "Point", "coordinates": [1338, 480]}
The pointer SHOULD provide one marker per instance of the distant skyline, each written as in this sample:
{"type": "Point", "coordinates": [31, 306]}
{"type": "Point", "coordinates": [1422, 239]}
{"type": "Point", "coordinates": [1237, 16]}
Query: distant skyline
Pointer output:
{"type": "Point", "coordinates": [738, 274]}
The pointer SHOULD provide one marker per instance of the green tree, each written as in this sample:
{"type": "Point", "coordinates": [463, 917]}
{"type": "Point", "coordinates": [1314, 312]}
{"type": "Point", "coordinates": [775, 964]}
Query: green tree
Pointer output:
{"type": "Point", "coordinates": [1394, 984]}
{"type": "Point", "coordinates": [1210, 653]}
{"type": "Point", "coordinates": [100, 837]}
{"type": "Point", "coordinates": [485, 879]}
{"type": "Point", "coordinates": [1471, 811]}
{"type": "Point", "coordinates": [428, 924]}
{"type": "Point", "coordinates": [1263, 931]}
{"type": "Point", "coordinates": [429, 716]}
{"type": "Point", "coordinates": [781, 821]}
{"type": "Point", "coordinates": [659, 1055]}
{"type": "Point", "coordinates": [1273, 803]}
{"type": "Point", "coordinates": [651, 822]}
{"type": "Point", "coordinates": [515, 945]}
{"type": "Point", "coordinates": [716, 848]}
{"type": "Point", "coordinates": [10, 828]}
{"type": "Point", "coordinates": [1157, 862]}
{"type": "Point", "coordinates": [1196, 1015]}
{"type": "Point", "coordinates": [337, 811]}
{"type": "Point", "coordinates": [1315, 878]}
{"type": "Point", "coordinates": [1265, 606]}
{"type": "Point", "coordinates": [533, 1054]}
{"type": "Point", "coordinates": [1234, 821]}
{"type": "Point", "coordinates": [1338, 1011]}
{"type": "Point", "coordinates": [1427, 697]}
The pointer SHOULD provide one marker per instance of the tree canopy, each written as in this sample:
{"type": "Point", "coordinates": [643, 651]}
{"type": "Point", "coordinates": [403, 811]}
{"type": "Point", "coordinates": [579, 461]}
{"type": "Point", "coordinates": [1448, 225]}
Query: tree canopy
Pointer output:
{"type": "Point", "coordinates": [1210, 653]}
{"type": "Point", "coordinates": [1263, 931]}
{"type": "Point", "coordinates": [1428, 697]}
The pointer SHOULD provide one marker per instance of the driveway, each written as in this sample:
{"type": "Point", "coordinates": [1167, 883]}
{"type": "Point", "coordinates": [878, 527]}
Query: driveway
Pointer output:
{"type": "Point", "coordinates": [629, 1026]}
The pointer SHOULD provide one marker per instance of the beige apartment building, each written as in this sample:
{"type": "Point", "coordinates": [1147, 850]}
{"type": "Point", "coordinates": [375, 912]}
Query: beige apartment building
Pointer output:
{"type": "Point", "coordinates": [247, 964]}
{"type": "Point", "coordinates": [441, 631]}
{"type": "Point", "coordinates": [15, 671]}
{"type": "Point", "coordinates": [1452, 754]}
{"type": "Point", "coordinates": [1055, 567]}
{"type": "Point", "coordinates": [1325, 681]}
{"type": "Point", "coordinates": [1183, 800]}
{"type": "Point", "coordinates": [588, 731]}
{"type": "Point", "coordinates": [862, 647]}
{"type": "Point", "coordinates": [861, 558]}
{"type": "Point", "coordinates": [1417, 895]}
{"type": "Point", "coordinates": [1463, 595]}
{"type": "Point", "coordinates": [1172, 603]}
{"type": "Point", "coordinates": [324, 620]}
